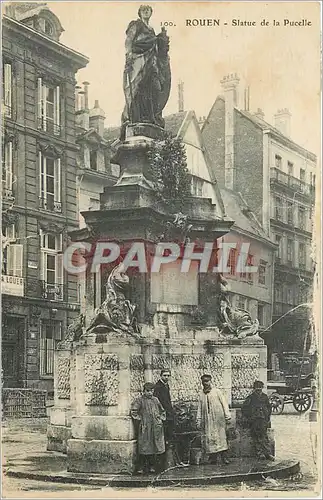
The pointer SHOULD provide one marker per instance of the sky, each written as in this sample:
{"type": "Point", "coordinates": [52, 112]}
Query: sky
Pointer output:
{"type": "Point", "coordinates": [280, 64]}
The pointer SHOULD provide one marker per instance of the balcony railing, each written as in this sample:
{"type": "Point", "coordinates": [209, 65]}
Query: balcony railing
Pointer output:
{"type": "Point", "coordinates": [291, 182]}
{"type": "Point", "coordinates": [49, 126]}
{"type": "Point", "coordinates": [7, 194]}
{"type": "Point", "coordinates": [6, 110]}
{"type": "Point", "coordinates": [52, 291]}
{"type": "Point", "coordinates": [50, 204]}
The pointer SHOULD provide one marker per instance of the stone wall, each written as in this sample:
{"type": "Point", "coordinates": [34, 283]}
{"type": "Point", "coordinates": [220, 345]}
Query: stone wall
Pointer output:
{"type": "Point", "coordinates": [99, 381]}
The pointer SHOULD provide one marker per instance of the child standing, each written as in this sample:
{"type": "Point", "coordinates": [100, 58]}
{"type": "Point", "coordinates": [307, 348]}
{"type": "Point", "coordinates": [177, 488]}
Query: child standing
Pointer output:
{"type": "Point", "coordinates": [151, 442]}
{"type": "Point", "coordinates": [256, 410]}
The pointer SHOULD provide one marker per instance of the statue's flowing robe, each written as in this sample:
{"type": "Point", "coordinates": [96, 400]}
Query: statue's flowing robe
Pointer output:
{"type": "Point", "coordinates": [212, 414]}
{"type": "Point", "coordinates": [146, 82]}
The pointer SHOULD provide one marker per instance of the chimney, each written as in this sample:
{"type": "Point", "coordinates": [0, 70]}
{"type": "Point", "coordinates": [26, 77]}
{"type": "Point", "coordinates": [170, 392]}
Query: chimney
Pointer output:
{"type": "Point", "coordinates": [282, 121]}
{"type": "Point", "coordinates": [86, 95]}
{"type": "Point", "coordinates": [82, 111]}
{"type": "Point", "coordinates": [230, 85]}
{"type": "Point", "coordinates": [260, 114]}
{"type": "Point", "coordinates": [247, 98]}
{"type": "Point", "coordinates": [77, 98]}
{"type": "Point", "coordinates": [180, 96]}
{"type": "Point", "coordinates": [97, 117]}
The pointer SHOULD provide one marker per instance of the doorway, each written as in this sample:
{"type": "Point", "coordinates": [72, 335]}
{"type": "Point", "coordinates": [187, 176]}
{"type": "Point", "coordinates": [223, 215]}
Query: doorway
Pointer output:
{"type": "Point", "coordinates": [13, 351]}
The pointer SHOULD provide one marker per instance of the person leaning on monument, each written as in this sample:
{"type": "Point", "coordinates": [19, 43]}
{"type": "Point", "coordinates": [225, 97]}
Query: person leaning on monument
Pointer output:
{"type": "Point", "coordinates": [213, 416]}
{"type": "Point", "coordinates": [256, 411]}
{"type": "Point", "coordinates": [162, 392]}
{"type": "Point", "coordinates": [151, 442]}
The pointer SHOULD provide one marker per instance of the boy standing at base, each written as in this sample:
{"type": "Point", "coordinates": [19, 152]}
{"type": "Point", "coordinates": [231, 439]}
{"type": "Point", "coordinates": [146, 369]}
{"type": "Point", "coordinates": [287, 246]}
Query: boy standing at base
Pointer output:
{"type": "Point", "coordinates": [151, 442]}
{"type": "Point", "coordinates": [256, 410]}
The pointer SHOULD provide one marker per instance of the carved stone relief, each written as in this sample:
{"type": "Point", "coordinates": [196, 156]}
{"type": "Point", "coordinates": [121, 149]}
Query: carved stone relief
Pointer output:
{"type": "Point", "coordinates": [245, 370]}
{"type": "Point", "coordinates": [137, 378]}
{"type": "Point", "coordinates": [187, 370]}
{"type": "Point", "coordinates": [101, 379]}
{"type": "Point", "coordinates": [63, 378]}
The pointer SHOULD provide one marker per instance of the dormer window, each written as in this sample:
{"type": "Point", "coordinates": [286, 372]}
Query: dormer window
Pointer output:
{"type": "Point", "coordinates": [93, 160]}
{"type": "Point", "coordinates": [46, 26]}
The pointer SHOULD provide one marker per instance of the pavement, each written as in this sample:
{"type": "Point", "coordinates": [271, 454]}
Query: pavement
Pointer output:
{"type": "Point", "coordinates": [34, 469]}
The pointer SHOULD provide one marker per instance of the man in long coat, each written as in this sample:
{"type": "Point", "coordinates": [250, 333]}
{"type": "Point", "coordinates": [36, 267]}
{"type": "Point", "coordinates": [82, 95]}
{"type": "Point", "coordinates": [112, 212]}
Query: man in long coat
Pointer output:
{"type": "Point", "coordinates": [162, 392]}
{"type": "Point", "coordinates": [151, 442]}
{"type": "Point", "coordinates": [213, 414]}
{"type": "Point", "coordinates": [256, 411]}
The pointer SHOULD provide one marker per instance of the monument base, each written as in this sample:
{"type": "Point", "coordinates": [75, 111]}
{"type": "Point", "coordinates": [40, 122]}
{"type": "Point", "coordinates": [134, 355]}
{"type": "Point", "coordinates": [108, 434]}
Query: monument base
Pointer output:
{"type": "Point", "coordinates": [57, 436]}
{"type": "Point", "coordinates": [101, 456]}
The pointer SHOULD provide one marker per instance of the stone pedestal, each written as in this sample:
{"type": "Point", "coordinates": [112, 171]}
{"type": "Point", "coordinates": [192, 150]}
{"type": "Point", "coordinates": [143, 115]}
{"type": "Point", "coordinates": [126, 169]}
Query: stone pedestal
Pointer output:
{"type": "Point", "coordinates": [59, 429]}
{"type": "Point", "coordinates": [95, 384]}
{"type": "Point", "coordinates": [101, 433]}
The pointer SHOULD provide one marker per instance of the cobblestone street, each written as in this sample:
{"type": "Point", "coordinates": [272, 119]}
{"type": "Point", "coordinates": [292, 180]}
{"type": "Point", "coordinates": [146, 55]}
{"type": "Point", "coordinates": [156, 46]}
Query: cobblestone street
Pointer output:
{"type": "Point", "coordinates": [294, 435]}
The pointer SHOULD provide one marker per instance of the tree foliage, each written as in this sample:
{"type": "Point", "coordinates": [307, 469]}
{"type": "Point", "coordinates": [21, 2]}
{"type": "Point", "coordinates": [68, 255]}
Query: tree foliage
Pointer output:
{"type": "Point", "coordinates": [169, 171]}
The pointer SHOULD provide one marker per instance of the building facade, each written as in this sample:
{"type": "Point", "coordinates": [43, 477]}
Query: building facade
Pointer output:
{"type": "Point", "coordinates": [250, 291]}
{"type": "Point", "coordinates": [39, 205]}
{"type": "Point", "coordinates": [94, 170]}
{"type": "Point", "coordinates": [276, 177]}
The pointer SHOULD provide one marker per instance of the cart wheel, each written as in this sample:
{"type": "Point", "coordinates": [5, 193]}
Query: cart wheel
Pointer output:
{"type": "Point", "coordinates": [302, 402]}
{"type": "Point", "coordinates": [277, 404]}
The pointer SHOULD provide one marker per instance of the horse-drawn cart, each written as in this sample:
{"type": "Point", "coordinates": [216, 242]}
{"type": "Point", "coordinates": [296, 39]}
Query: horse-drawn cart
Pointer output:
{"type": "Point", "coordinates": [295, 390]}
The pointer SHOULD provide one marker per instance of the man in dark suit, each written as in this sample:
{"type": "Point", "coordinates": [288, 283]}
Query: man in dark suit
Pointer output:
{"type": "Point", "coordinates": [163, 394]}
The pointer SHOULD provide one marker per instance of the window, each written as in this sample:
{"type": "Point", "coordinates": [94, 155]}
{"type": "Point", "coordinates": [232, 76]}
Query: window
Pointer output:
{"type": "Point", "coordinates": [7, 170]}
{"type": "Point", "coordinates": [278, 240]}
{"type": "Point", "coordinates": [232, 261]}
{"type": "Point", "coordinates": [289, 296]}
{"type": "Point", "coordinates": [7, 89]}
{"type": "Point", "coordinates": [50, 334]}
{"type": "Point", "coordinates": [12, 256]}
{"type": "Point", "coordinates": [247, 261]}
{"type": "Point", "coordinates": [242, 302]}
{"type": "Point", "coordinates": [46, 27]}
{"type": "Point", "coordinates": [302, 255]}
{"type": "Point", "coordinates": [278, 208]}
{"type": "Point", "coordinates": [50, 183]}
{"type": "Point", "coordinates": [261, 314]}
{"type": "Point", "coordinates": [278, 294]}
{"type": "Point", "coordinates": [278, 161]}
{"type": "Point", "coordinates": [290, 215]}
{"type": "Point", "coordinates": [197, 186]}
{"type": "Point", "coordinates": [301, 217]}
{"type": "Point", "coordinates": [262, 272]}
{"type": "Point", "coordinates": [52, 266]}
{"type": "Point", "coordinates": [290, 168]}
{"type": "Point", "coordinates": [48, 108]}
{"type": "Point", "coordinates": [290, 251]}
{"type": "Point", "coordinates": [93, 160]}
{"type": "Point", "coordinates": [302, 175]}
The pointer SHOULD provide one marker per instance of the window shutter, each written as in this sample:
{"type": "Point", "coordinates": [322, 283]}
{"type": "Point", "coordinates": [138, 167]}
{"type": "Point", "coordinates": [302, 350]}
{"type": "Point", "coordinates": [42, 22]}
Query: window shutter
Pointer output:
{"type": "Point", "coordinates": [40, 103]}
{"type": "Point", "coordinates": [59, 269]}
{"type": "Point", "coordinates": [42, 265]}
{"type": "Point", "coordinates": [9, 175]}
{"type": "Point", "coordinates": [57, 108]}
{"type": "Point", "coordinates": [41, 175]}
{"type": "Point", "coordinates": [8, 85]}
{"type": "Point", "coordinates": [15, 260]}
{"type": "Point", "coordinates": [44, 107]}
{"type": "Point", "coordinates": [57, 179]}
{"type": "Point", "coordinates": [11, 232]}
